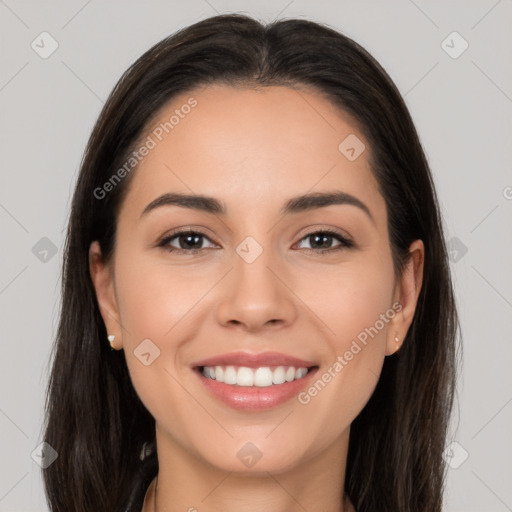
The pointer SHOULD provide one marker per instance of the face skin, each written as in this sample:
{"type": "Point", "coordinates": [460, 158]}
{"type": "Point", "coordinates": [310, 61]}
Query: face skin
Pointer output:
{"type": "Point", "coordinates": [253, 150]}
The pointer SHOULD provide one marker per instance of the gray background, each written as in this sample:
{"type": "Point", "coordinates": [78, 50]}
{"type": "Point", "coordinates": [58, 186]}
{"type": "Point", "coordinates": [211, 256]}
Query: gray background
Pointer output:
{"type": "Point", "coordinates": [463, 111]}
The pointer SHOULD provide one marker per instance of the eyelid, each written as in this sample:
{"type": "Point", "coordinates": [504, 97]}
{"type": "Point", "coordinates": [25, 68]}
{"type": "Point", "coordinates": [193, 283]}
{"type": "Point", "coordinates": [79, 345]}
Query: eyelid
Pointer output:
{"type": "Point", "coordinates": [186, 229]}
{"type": "Point", "coordinates": [163, 241]}
{"type": "Point", "coordinates": [315, 228]}
{"type": "Point", "coordinates": [345, 240]}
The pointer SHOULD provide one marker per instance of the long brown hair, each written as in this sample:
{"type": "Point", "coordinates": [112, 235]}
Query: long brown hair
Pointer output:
{"type": "Point", "coordinates": [94, 418]}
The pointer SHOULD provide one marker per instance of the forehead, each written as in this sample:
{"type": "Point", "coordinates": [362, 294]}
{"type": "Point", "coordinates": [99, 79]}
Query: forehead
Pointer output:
{"type": "Point", "coordinates": [249, 145]}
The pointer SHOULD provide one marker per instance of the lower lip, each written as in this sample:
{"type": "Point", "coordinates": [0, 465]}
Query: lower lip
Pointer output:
{"type": "Point", "coordinates": [253, 397]}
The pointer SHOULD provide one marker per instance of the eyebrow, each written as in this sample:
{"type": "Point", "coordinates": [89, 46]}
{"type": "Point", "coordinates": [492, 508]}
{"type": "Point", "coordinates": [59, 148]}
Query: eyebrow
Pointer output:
{"type": "Point", "coordinates": [297, 204]}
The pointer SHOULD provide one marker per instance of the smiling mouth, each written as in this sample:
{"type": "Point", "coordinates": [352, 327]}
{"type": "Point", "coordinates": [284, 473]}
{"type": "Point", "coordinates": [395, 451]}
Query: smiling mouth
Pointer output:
{"type": "Point", "coordinates": [262, 377]}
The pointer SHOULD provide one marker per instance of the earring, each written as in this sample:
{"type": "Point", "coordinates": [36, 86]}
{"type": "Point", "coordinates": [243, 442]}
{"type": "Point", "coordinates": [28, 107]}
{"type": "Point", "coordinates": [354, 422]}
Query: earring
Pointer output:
{"type": "Point", "coordinates": [397, 342]}
{"type": "Point", "coordinates": [111, 338]}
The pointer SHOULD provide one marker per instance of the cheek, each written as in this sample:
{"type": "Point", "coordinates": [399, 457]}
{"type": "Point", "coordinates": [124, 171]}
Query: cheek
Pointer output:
{"type": "Point", "coordinates": [357, 310]}
{"type": "Point", "coordinates": [156, 310]}
{"type": "Point", "coordinates": [351, 298]}
{"type": "Point", "coordinates": [155, 298]}
{"type": "Point", "coordinates": [159, 311]}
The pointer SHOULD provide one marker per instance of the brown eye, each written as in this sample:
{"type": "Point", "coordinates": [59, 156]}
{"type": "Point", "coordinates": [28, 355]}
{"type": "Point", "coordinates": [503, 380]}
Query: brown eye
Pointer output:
{"type": "Point", "coordinates": [191, 242]}
{"type": "Point", "coordinates": [187, 241]}
{"type": "Point", "coordinates": [321, 241]}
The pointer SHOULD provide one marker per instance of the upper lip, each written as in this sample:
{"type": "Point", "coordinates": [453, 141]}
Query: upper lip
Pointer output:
{"type": "Point", "coordinates": [254, 360]}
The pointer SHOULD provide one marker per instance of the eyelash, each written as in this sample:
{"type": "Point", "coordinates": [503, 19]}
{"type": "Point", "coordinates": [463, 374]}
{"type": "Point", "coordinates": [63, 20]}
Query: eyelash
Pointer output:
{"type": "Point", "coordinates": [344, 242]}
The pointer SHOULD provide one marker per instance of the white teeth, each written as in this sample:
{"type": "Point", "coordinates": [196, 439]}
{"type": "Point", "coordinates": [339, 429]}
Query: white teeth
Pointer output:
{"type": "Point", "coordinates": [300, 372]}
{"type": "Point", "coordinates": [245, 376]}
{"type": "Point", "coordinates": [261, 377]}
{"type": "Point", "coordinates": [279, 375]}
{"type": "Point", "coordinates": [230, 375]}
{"type": "Point", "coordinates": [290, 374]}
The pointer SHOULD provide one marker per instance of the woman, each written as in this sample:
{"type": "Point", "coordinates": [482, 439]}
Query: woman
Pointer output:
{"type": "Point", "coordinates": [257, 308]}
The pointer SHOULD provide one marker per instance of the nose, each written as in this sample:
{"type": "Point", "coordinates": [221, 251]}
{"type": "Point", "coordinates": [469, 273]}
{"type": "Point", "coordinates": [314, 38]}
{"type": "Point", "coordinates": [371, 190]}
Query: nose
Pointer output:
{"type": "Point", "coordinates": [255, 296]}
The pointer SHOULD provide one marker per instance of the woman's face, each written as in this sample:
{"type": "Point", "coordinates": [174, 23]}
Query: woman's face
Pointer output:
{"type": "Point", "coordinates": [253, 278]}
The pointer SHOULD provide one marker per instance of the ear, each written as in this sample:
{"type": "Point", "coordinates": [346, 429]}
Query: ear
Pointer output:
{"type": "Point", "coordinates": [102, 276]}
{"type": "Point", "coordinates": [406, 294]}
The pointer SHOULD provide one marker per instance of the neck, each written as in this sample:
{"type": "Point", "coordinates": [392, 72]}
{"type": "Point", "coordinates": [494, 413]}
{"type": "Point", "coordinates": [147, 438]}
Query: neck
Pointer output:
{"type": "Point", "coordinates": [186, 482]}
